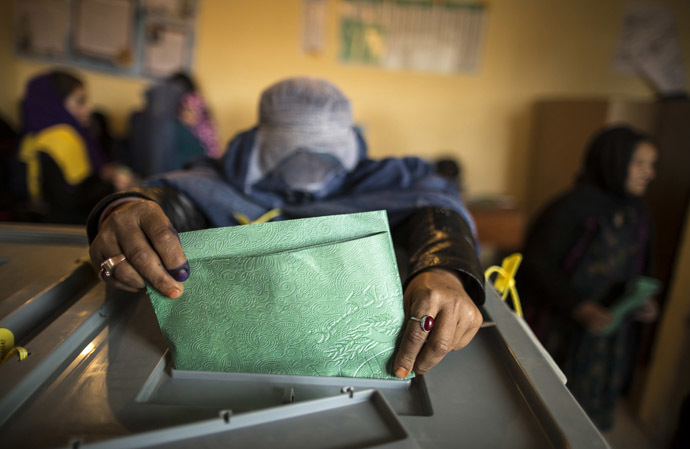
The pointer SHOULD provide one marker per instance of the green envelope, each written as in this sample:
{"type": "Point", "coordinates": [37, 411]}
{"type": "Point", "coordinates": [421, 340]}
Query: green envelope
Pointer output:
{"type": "Point", "coordinates": [314, 297]}
{"type": "Point", "coordinates": [636, 294]}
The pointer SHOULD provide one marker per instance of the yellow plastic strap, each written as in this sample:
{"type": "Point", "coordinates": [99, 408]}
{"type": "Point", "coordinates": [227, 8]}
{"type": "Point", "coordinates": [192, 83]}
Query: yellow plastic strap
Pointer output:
{"type": "Point", "coordinates": [22, 352]}
{"type": "Point", "coordinates": [268, 216]}
{"type": "Point", "coordinates": [7, 348]}
{"type": "Point", "coordinates": [505, 279]}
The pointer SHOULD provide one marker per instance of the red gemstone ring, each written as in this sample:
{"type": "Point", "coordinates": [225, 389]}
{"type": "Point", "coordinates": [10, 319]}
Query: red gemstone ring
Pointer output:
{"type": "Point", "coordinates": [426, 322]}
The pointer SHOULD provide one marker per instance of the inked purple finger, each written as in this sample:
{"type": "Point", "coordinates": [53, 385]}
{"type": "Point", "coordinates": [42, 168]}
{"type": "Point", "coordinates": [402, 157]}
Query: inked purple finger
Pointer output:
{"type": "Point", "coordinates": [174, 231]}
{"type": "Point", "coordinates": [180, 273]}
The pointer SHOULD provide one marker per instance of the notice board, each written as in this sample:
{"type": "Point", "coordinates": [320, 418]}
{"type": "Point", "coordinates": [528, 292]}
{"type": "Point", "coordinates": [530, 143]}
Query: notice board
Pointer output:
{"type": "Point", "coordinates": [150, 38]}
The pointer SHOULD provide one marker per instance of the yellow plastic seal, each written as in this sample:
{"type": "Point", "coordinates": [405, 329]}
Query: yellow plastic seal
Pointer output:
{"type": "Point", "coordinates": [7, 348]}
{"type": "Point", "coordinates": [505, 279]}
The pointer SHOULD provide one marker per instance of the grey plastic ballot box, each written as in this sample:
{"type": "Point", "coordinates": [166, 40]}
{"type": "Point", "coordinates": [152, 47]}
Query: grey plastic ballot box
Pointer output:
{"type": "Point", "coordinates": [45, 264]}
{"type": "Point", "coordinates": [99, 376]}
{"type": "Point", "coordinates": [361, 419]}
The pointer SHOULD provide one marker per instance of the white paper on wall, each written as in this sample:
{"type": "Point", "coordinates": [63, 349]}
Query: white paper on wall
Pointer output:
{"type": "Point", "coordinates": [314, 25]}
{"type": "Point", "coordinates": [649, 46]}
{"type": "Point", "coordinates": [103, 29]}
{"type": "Point", "coordinates": [167, 53]}
{"type": "Point", "coordinates": [425, 36]}
{"type": "Point", "coordinates": [42, 27]}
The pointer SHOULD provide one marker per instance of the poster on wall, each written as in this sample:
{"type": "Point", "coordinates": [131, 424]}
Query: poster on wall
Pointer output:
{"type": "Point", "coordinates": [152, 38]}
{"type": "Point", "coordinates": [442, 37]}
{"type": "Point", "coordinates": [166, 50]}
{"type": "Point", "coordinates": [103, 29]}
{"type": "Point", "coordinates": [648, 46]}
{"type": "Point", "coordinates": [42, 27]}
{"type": "Point", "coordinates": [314, 15]}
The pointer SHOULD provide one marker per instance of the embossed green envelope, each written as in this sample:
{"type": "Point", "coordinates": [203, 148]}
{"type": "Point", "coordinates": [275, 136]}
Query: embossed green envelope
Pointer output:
{"type": "Point", "coordinates": [314, 296]}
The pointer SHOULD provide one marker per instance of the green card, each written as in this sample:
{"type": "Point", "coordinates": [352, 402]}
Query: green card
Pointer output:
{"type": "Point", "coordinates": [314, 296]}
{"type": "Point", "coordinates": [636, 294]}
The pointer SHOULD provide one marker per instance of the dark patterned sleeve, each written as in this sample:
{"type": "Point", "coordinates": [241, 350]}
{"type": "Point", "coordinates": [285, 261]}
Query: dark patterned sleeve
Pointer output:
{"type": "Point", "coordinates": [441, 238]}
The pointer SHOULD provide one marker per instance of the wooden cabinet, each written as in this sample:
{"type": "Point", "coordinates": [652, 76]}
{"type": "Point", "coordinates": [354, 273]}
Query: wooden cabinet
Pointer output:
{"type": "Point", "coordinates": [501, 228]}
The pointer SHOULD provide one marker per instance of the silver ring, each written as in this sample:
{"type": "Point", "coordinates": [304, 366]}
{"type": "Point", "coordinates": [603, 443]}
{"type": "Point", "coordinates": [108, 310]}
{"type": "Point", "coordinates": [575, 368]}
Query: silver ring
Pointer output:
{"type": "Point", "coordinates": [108, 266]}
{"type": "Point", "coordinates": [426, 322]}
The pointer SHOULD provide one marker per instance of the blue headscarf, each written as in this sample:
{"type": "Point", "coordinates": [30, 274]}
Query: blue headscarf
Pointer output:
{"type": "Point", "coordinates": [225, 187]}
{"type": "Point", "coordinates": [153, 131]}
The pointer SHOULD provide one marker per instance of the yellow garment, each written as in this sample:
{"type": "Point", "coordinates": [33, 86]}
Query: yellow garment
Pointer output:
{"type": "Point", "coordinates": [65, 146]}
{"type": "Point", "coordinates": [268, 216]}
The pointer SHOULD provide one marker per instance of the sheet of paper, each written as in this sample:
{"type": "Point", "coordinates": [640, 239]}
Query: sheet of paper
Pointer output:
{"type": "Point", "coordinates": [436, 37]}
{"type": "Point", "coordinates": [166, 51]}
{"type": "Point", "coordinates": [103, 29]}
{"type": "Point", "coordinates": [42, 27]}
{"type": "Point", "coordinates": [649, 47]}
{"type": "Point", "coordinates": [178, 9]}
{"type": "Point", "coordinates": [110, 35]}
{"type": "Point", "coordinates": [314, 25]}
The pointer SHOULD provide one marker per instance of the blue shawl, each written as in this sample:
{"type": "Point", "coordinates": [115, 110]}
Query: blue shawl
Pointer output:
{"type": "Point", "coordinates": [401, 186]}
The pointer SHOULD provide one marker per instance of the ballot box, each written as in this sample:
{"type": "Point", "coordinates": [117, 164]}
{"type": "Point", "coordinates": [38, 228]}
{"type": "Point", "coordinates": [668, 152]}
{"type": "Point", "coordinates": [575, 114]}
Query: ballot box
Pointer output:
{"type": "Point", "coordinates": [99, 375]}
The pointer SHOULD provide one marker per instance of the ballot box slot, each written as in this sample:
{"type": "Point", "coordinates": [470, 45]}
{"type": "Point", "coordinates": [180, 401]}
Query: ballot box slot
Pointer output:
{"type": "Point", "coordinates": [361, 420]}
{"type": "Point", "coordinates": [244, 392]}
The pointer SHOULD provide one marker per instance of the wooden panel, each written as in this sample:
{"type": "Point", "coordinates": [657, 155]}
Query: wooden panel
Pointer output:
{"type": "Point", "coordinates": [501, 229]}
{"type": "Point", "coordinates": [562, 130]}
{"type": "Point", "coordinates": [638, 114]}
{"type": "Point", "coordinates": [669, 193]}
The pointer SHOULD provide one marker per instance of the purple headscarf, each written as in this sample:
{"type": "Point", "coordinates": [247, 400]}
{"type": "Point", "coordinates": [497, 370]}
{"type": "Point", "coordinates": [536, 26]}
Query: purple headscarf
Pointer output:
{"type": "Point", "coordinates": [42, 108]}
{"type": "Point", "coordinates": [203, 130]}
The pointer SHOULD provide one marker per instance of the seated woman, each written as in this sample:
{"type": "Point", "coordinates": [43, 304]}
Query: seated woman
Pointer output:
{"type": "Point", "coordinates": [66, 171]}
{"type": "Point", "coordinates": [194, 114]}
{"type": "Point", "coordinates": [306, 158]}
{"type": "Point", "coordinates": [173, 128]}
{"type": "Point", "coordinates": [582, 252]}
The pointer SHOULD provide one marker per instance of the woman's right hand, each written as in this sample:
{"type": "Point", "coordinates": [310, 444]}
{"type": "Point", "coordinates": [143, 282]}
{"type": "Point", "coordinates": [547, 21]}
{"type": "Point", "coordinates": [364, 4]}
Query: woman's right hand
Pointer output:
{"type": "Point", "coordinates": [592, 316]}
{"type": "Point", "coordinates": [143, 233]}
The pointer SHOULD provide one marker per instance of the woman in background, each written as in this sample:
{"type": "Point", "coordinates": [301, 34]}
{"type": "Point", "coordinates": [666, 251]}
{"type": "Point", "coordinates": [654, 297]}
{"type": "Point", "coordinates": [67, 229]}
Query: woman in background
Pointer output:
{"type": "Point", "coordinates": [194, 114]}
{"type": "Point", "coordinates": [582, 253]}
{"type": "Point", "coordinates": [66, 171]}
{"type": "Point", "coordinates": [173, 128]}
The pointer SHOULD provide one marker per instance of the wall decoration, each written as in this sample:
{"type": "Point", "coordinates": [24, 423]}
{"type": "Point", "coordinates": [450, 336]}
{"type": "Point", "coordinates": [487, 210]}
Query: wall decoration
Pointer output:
{"type": "Point", "coordinates": [431, 36]}
{"type": "Point", "coordinates": [151, 38]}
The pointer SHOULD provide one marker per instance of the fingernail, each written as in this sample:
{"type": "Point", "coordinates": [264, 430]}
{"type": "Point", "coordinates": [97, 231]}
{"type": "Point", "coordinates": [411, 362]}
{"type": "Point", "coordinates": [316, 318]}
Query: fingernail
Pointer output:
{"type": "Point", "coordinates": [180, 273]}
{"type": "Point", "coordinates": [401, 373]}
{"type": "Point", "coordinates": [174, 293]}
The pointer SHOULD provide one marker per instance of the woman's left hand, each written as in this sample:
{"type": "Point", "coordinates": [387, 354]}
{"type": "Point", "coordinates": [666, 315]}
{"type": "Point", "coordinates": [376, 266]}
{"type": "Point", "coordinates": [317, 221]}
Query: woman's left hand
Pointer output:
{"type": "Point", "coordinates": [648, 312]}
{"type": "Point", "coordinates": [440, 294]}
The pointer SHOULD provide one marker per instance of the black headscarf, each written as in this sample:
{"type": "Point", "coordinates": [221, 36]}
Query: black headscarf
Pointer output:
{"type": "Point", "coordinates": [607, 158]}
{"type": "Point", "coordinates": [553, 239]}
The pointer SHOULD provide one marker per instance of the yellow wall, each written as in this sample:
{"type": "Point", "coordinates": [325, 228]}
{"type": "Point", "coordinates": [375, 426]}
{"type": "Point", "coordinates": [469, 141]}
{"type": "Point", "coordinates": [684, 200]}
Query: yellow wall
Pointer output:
{"type": "Point", "coordinates": [532, 49]}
